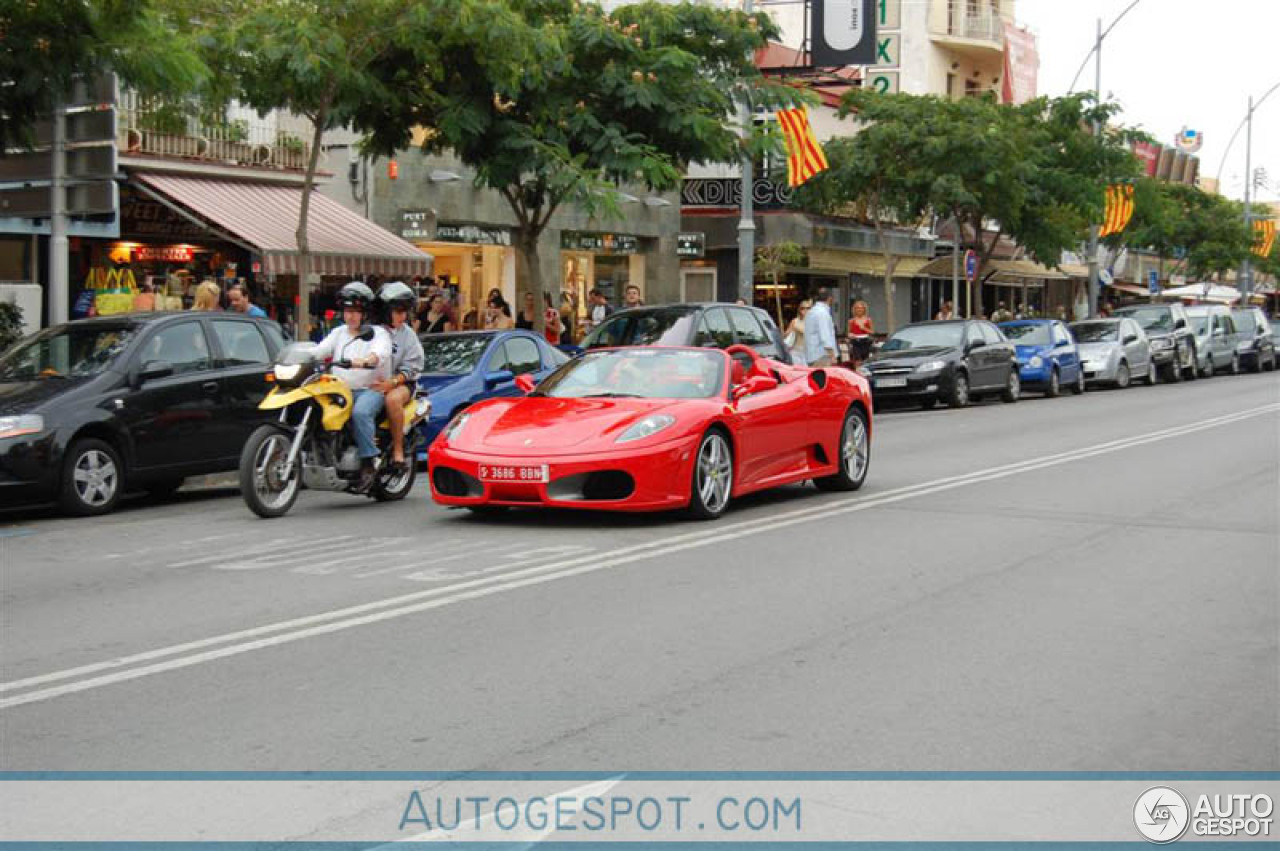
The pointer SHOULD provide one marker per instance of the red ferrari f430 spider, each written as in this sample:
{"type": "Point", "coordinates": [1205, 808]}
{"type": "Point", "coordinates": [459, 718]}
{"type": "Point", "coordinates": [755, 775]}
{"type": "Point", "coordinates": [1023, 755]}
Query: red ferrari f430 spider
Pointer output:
{"type": "Point", "coordinates": [652, 429]}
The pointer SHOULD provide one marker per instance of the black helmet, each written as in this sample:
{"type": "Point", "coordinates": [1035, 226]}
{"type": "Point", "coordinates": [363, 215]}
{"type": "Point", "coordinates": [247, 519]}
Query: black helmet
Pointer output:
{"type": "Point", "coordinates": [355, 294]}
{"type": "Point", "coordinates": [397, 294]}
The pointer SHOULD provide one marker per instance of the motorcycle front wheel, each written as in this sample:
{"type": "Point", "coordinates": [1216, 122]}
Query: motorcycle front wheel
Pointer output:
{"type": "Point", "coordinates": [262, 483]}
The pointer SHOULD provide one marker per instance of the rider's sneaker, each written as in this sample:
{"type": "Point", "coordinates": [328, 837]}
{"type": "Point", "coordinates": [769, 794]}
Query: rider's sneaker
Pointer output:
{"type": "Point", "coordinates": [367, 475]}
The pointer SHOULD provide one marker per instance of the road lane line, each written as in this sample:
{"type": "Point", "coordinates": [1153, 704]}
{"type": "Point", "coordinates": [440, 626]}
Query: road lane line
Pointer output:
{"type": "Point", "coordinates": [343, 619]}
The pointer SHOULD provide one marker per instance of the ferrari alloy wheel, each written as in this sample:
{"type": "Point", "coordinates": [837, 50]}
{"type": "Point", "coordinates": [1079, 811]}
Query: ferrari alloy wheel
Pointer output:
{"type": "Point", "coordinates": [855, 455]}
{"type": "Point", "coordinates": [712, 477]}
{"type": "Point", "coordinates": [91, 478]}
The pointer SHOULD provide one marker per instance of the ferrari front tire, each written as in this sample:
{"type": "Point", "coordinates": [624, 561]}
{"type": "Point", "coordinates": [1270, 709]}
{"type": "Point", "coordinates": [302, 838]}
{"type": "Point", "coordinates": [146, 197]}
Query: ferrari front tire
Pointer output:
{"type": "Point", "coordinates": [854, 455]}
{"type": "Point", "coordinates": [712, 483]}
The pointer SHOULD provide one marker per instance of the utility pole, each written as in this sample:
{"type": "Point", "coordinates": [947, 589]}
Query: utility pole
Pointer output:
{"type": "Point", "coordinates": [59, 285]}
{"type": "Point", "coordinates": [1097, 131]}
{"type": "Point", "coordinates": [746, 223]}
{"type": "Point", "coordinates": [1246, 271]}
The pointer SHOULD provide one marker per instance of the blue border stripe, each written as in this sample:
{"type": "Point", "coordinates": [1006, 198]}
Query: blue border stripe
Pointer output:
{"type": "Point", "coordinates": [1014, 776]}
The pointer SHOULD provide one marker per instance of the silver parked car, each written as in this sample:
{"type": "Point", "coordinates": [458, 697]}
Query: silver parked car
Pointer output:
{"type": "Point", "coordinates": [1216, 339]}
{"type": "Point", "coordinates": [1257, 346]}
{"type": "Point", "coordinates": [1114, 351]}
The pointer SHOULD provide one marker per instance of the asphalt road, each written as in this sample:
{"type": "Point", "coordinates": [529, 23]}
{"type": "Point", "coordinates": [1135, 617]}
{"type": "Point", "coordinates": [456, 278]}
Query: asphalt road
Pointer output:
{"type": "Point", "coordinates": [1074, 584]}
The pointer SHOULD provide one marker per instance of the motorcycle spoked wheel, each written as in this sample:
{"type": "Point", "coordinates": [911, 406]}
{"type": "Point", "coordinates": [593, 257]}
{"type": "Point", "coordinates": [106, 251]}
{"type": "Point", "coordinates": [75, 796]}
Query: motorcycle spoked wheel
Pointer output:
{"type": "Point", "coordinates": [389, 486]}
{"type": "Point", "coordinates": [262, 485]}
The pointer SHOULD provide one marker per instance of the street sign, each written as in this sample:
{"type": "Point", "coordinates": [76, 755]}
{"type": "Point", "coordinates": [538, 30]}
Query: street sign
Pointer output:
{"type": "Point", "coordinates": [888, 50]}
{"type": "Point", "coordinates": [888, 14]}
{"type": "Point", "coordinates": [844, 32]}
{"type": "Point", "coordinates": [98, 198]}
{"type": "Point", "coordinates": [970, 266]}
{"type": "Point", "coordinates": [1153, 282]}
{"type": "Point", "coordinates": [89, 163]}
{"type": "Point", "coordinates": [691, 244]}
{"type": "Point", "coordinates": [884, 82]}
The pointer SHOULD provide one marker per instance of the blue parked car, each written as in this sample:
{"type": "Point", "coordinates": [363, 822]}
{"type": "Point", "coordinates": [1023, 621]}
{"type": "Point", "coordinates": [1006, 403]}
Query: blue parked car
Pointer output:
{"type": "Point", "coordinates": [465, 367]}
{"type": "Point", "coordinates": [1048, 359]}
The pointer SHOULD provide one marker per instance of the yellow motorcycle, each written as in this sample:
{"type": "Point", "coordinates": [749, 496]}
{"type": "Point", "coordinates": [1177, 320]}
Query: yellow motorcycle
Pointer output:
{"type": "Point", "coordinates": [312, 443]}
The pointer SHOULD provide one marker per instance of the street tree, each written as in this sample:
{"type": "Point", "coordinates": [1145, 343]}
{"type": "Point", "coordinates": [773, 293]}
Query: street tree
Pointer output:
{"type": "Point", "coordinates": [628, 97]}
{"type": "Point", "coordinates": [47, 45]}
{"type": "Point", "coordinates": [771, 262]}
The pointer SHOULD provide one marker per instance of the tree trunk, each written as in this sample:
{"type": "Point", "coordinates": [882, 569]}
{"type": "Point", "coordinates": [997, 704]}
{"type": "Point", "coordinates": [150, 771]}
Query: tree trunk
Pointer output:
{"type": "Point", "coordinates": [777, 299]}
{"type": "Point", "coordinates": [890, 265]}
{"type": "Point", "coordinates": [304, 246]}
{"type": "Point", "coordinates": [530, 269]}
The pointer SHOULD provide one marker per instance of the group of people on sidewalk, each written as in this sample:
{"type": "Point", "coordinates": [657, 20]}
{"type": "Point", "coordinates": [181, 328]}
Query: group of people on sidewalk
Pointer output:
{"type": "Point", "coordinates": [811, 336]}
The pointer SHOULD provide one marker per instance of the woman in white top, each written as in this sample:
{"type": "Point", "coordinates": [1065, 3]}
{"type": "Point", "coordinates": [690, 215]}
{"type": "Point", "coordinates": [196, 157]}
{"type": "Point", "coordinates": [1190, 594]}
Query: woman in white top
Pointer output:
{"type": "Point", "coordinates": [795, 334]}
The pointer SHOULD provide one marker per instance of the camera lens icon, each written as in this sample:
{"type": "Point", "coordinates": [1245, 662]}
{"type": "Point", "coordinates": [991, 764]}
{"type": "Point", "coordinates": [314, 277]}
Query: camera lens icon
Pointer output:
{"type": "Point", "coordinates": [1161, 815]}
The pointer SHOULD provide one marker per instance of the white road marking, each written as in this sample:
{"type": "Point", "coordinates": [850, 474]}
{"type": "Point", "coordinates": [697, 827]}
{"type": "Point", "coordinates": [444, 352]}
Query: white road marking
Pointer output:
{"type": "Point", "coordinates": [407, 604]}
{"type": "Point", "coordinates": [438, 560]}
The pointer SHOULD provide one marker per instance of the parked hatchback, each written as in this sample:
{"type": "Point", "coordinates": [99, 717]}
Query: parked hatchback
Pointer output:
{"type": "Point", "coordinates": [93, 408]}
{"type": "Point", "coordinates": [1114, 351]}
{"type": "Point", "coordinates": [1216, 339]}
{"type": "Point", "coordinates": [1047, 355]}
{"type": "Point", "coordinates": [954, 360]}
{"type": "Point", "coordinates": [1257, 342]}
{"type": "Point", "coordinates": [713, 325]}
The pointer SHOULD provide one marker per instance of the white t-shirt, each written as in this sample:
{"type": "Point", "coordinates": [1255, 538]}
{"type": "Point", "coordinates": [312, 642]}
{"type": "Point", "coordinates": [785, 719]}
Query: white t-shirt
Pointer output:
{"type": "Point", "coordinates": [341, 344]}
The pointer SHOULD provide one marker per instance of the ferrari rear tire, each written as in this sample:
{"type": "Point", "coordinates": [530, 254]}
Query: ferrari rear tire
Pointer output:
{"type": "Point", "coordinates": [712, 483]}
{"type": "Point", "coordinates": [854, 457]}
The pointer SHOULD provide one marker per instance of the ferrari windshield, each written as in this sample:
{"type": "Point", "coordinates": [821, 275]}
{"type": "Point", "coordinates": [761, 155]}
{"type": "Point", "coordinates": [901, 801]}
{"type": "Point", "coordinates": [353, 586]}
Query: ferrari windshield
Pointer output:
{"type": "Point", "coordinates": [453, 354]}
{"type": "Point", "coordinates": [638, 373]}
{"type": "Point", "coordinates": [929, 335]}
{"type": "Point", "coordinates": [1027, 335]}
{"type": "Point", "coordinates": [66, 351]}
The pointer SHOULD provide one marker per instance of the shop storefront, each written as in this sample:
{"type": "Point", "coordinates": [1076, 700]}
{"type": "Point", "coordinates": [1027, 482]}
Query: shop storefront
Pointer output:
{"type": "Point", "coordinates": [471, 259]}
{"type": "Point", "coordinates": [608, 262]}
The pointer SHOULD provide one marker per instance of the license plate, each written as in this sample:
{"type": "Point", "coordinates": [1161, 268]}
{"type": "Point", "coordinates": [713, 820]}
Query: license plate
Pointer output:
{"type": "Point", "coordinates": [891, 382]}
{"type": "Point", "coordinates": [536, 474]}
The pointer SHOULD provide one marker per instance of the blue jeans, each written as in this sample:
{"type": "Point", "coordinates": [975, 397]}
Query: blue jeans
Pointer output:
{"type": "Point", "coordinates": [364, 420]}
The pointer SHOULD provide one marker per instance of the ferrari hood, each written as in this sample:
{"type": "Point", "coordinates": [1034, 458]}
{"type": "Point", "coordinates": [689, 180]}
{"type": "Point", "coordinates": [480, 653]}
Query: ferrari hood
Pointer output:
{"type": "Point", "coordinates": [537, 423]}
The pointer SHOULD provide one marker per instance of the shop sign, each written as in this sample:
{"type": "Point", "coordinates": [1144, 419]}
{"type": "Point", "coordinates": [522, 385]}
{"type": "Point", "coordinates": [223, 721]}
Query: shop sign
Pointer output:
{"type": "Point", "coordinates": [416, 224]}
{"type": "Point", "coordinates": [146, 218]}
{"type": "Point", "coordinates": [691, 244]}
{"type": "Point", "coordinates": [599, 243]}
{"type": "Point", "coordinates": [474, 234]}
{"type": "Point", "coordinates": [162, 253]}
{"type": "Point", "coordinates": [727, 192]}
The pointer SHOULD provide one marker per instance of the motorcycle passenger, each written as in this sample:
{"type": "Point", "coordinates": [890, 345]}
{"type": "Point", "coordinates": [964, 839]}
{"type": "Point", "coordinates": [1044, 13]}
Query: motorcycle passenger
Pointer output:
{"type": "Point", "coordinates": [407, 359]}
{"type": "Point", "coordinates": [344, 343]}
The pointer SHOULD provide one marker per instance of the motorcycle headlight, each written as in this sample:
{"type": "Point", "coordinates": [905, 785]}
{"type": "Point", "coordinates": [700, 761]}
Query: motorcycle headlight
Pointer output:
{"type": "Point", "coordinates": [1036, 362]}
{"type": "Point", "coordinates": [932, 366]}
{"type": "Point", "coordinates": [20, 425]}
{"type": "Point", "coordinates": [455, 426]}
{"type": "Point", "coordinates": [650, 425]}
{"type": "Point", "coordinates": [287, 371]}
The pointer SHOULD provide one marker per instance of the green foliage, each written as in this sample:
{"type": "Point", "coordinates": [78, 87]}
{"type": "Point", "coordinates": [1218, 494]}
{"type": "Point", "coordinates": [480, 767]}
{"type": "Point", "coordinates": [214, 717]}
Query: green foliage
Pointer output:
{"type": "Point", "coordinates": [47, 43]}
{"type": "Point", "coordinates": [10, 324]}
{"type": "Point", "coordinates": [1205, 231]}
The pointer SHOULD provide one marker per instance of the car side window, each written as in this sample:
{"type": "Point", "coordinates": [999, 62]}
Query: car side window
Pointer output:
{"type": "Point", "coordinates": [183, 345]}
{"type": "Point", "coordinates": [972, 334]}
{"type": "Point", "coordinates": [748, 327]}
{"type": "Point", "coordinates": [520, 355]}
{"type": "Point", "coordinates": [714, 329]}
{"type": "Point", "coordinates": [1060, 334]}
{"type": "Point", "coordinates": [991, 333]}
{"type": "Point", "coordinates": [241, 343]}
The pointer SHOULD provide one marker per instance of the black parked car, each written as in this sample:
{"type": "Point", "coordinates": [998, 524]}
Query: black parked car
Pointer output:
{"type": "Point", "coordinates": [1173, 340]}
{"type": "Point", "coordinates": [139, 401]}
{"type": "Point", "coordinates": [714, 325]}
{"type": "Point", "coordinates": [956, 360]}
{"type": "Point", "coordinates": [1257, 340]}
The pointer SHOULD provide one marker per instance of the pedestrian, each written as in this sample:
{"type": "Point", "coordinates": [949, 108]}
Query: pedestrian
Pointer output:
{"type": "Point", "coordinates": [527, 316]}
{"type": "Point", "coordinates": [1002, 313]}
{"type": "Point", "coordinates": [794, 340]}
{"type": "Point", "coordinates": [946, 312]}
{"type": "Point", "coordinates": [568, 319]}
{"type": "Point", "coordinates": [600, 309]}
{"type": "Point", "coordinates": [208, 296]}
{"type": "Point", "coordinates": [497, 314]}
{"type": "Point", "coordinates": [238, 301]}
{"type": "Point", "coordinates": [553, 328]}
{"type": "Point", "coordinates": [631, 298]}
{"type": "Point", "coordinates": [1105, 309]}
{"type": "Point", "coordinates": [146, 297]}
{"type": "Point", "coordinates": [861, 329]}
{"type": "Point", "coordinates": [820, 331]}
{"type": "Point", "coordinates": [436, 320]}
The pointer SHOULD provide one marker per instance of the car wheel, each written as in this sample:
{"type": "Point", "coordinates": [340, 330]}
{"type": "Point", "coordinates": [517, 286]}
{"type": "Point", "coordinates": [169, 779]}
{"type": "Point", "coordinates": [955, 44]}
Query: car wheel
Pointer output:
{"type": "Point", "coordinates": [1235, 364]}
{"type": "Point", "coordinates": [1012, 387]}
{"type": "Point", "coordinates": [1192, 372]}
{"type": "Point", "coordinates": [712, 477]}
{"type": "Point", "coordinates": [1153, 374]}
{"type": "Point", "coordinates": [855, 454]}
{"type": "Point", "coordinates": [391, 486]}
{"type": "Point", "coordinates": [91, 478]}
{"type": "Point", "coordinates": [1122, 375]}
{"type": "Point", "coordinates": [959, 391]}
{"type": "Point", "coordinates": [1209, 369]}
{"type": "Point", "coordinates": [1271, 362]}
{"type": "Point", "coordinates": [164, 489]}
{"type": "Point", "coordinates": [262, 461]}
{"type": "Point", "coordinates": [1055, 386]}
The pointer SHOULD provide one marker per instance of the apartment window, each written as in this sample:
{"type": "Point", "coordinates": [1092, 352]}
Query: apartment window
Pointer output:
{"type": "Point", "coordinates": [951, 86]}
{"type": "Point", "coordinates": [972, 88]}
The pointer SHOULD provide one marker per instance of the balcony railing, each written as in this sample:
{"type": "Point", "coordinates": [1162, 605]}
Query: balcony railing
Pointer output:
{"type": "Point", "coordinates": [967, 19]}
{"type": "Point", "coordinates": [171, 130]}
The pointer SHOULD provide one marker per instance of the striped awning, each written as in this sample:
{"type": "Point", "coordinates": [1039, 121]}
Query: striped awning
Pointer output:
{"type": "Point", "coordinates": [265, 217]}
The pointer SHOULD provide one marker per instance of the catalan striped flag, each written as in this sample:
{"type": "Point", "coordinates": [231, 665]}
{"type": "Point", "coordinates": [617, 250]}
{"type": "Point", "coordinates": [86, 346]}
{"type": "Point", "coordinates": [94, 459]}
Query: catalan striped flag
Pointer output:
{"type": "Point", "coordinates": [804, 155]}
{"type": "Point", "coordinates": [1264, 237]}
{"type": "Point", "coordinates": [1119, 208]}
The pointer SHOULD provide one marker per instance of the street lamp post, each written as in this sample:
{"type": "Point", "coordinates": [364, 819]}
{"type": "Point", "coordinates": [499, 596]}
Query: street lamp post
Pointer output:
{"type": "Point", "coordinates": [1246, 271]}
{"type": "Point", "coordinates": [746, 221]}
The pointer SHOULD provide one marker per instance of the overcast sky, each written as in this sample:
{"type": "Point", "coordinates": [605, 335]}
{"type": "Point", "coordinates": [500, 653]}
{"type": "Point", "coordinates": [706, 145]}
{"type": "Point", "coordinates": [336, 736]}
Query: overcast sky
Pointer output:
{"type": "Point", "coordinates": [1175, 63]}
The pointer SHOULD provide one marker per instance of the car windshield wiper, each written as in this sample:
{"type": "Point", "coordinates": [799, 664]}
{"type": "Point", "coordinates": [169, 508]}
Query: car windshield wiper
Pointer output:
{"type": "Point", "coordinates": [612, 396]}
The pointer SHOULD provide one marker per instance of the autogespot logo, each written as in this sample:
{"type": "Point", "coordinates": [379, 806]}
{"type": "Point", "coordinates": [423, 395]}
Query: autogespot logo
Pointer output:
{"type": "Point", "coordinates": [1161, 814]}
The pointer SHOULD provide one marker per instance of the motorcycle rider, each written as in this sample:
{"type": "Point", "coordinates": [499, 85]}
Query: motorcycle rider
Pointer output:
{"type": "Point", "coordinates": [407, 358]}
{"type": "Point", "coordinates": [371, 364]}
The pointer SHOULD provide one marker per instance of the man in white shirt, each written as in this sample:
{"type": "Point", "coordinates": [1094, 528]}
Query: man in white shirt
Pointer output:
{"type": "Point", "coordinates": [820, 331]}
{"type": "Point", "coordinates": [368, 348]}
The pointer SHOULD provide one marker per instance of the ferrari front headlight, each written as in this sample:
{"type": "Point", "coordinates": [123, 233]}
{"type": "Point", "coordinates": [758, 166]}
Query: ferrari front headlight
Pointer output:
{"type": "Point", "coordinates": [646, 427]}
{"type": "Point", "coordinates": [455, 426]}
